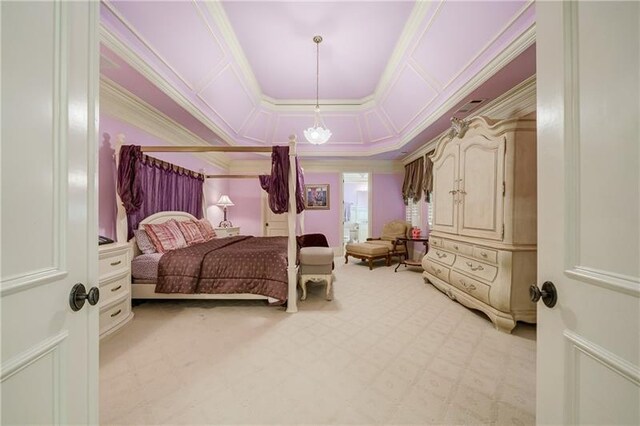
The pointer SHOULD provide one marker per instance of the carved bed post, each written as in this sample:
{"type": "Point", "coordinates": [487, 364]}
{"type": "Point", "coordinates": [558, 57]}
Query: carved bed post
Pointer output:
{"type": "Point", "coordinates": [121, 218]}
{"type": "Point", "coordinates": [292, 299]}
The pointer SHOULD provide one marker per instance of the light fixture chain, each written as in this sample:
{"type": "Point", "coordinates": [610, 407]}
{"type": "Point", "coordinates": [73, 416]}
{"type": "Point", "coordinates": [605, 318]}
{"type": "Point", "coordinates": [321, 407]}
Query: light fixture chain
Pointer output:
{"type": "Point", "coordinates": [317, 74]}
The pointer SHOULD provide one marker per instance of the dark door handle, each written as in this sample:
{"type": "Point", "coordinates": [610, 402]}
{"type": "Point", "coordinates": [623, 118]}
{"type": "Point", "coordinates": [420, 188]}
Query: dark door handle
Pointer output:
{"type": "Point", "coordinates": [79, 295]}
{"type": "Point", "coordinates": [548, 294]}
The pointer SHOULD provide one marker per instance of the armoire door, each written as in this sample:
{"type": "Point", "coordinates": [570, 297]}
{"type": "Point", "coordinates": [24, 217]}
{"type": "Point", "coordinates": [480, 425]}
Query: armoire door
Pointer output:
{"type": "Point", "coordinates": [50, 77]}
{"type": "Point", "coordinates": [445, 185]}
{"type": "Point", "coordinates": [588, 76]}
{"type": "Point", "coordinates": [480, 205]}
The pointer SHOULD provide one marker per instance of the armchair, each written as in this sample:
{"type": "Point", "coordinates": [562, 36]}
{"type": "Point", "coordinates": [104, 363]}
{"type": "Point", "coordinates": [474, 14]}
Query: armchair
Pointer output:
{"type": "Point", "coordinates": [382, 247]}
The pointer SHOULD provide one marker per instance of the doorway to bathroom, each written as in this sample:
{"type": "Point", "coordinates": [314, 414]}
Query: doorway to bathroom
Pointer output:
{"type": "Point", "coordinates": [356, 202]}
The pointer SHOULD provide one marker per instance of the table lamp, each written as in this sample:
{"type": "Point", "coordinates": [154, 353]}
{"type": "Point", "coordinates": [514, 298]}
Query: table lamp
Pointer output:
{"type": "Point", "coordinates": [224, 202]}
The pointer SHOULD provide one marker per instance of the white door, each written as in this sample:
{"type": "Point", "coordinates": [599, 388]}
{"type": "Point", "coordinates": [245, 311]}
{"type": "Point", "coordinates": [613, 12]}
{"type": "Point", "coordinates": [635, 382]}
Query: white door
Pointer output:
{"type": "Point", "coordinates": [588, 211]}
{"type": "Point", "coordinates": [49, 360]}
{"type": "Point", "coordinates": [275, 225]}
{"type": "Point", "coordinates": [445, 185]}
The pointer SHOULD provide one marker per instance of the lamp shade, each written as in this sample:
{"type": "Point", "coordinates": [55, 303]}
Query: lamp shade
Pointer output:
{"type": "Point", "coordinates": [224, 201]}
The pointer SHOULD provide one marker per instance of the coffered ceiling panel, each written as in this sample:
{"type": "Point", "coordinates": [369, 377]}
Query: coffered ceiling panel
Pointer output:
{"type": "Point", "coordinates": [178, 34]}
{"type": "Point", "coordinates": [376, 126]}
{"type": "Point", "coordinates": [346, 129]}
{"type": "Point", "coordinates": [226, 96]}
{"type": "Point", "coordinates": [258, 127]}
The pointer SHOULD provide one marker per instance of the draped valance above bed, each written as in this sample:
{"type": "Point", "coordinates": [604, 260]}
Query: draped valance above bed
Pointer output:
{"type": "Point", "coordinates": [277, 185]}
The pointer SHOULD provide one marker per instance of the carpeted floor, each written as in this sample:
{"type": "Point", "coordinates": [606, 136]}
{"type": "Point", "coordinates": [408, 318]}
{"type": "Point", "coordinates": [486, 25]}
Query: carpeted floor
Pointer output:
{"type": "Point", "coordinates": [388, 349]}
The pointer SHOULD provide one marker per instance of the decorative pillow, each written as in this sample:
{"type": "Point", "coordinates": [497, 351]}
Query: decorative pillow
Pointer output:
{"type": "Point", "coordinates": [190, 231]}
{"type": "Point", "coordinates": [165, 236]}
{"type": "Point", "coordinates": [206, 229]}
{"type": "Point", "coordinates": [144, 243]}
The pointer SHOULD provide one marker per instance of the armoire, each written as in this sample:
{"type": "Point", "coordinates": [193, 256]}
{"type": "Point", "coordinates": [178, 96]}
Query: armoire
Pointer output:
{"type": "Point", "coordinates": [483, 241]}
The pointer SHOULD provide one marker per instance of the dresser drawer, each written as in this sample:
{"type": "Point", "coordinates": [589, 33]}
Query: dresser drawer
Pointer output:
{"type": "Point", "coordinates": [485, 254]}
{"type": "Point", "coordinates": [114, 315]}
{"type": "Point", "coordinates": [472, 267]}
{"type": "Point", "coordinates": [442, 256]}
{"type": "Point", "coordinates": [436, 270]}
{"type": "Point", "coordinates": [111, 263]}
{"type": "Point", "coordinates": [113, 289]}
{"type": "Point", "coordinates": [458, 247]}
{"type": "Point", "coordinates": [435, 242]}
{"type": "Point", "coordinates": [473, 287]}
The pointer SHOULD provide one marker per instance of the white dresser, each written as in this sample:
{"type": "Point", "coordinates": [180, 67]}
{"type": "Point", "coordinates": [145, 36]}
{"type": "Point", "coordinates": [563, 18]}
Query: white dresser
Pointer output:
{"type": "Point", "coordinates": [115, 286]}
{"type": "Point", "coordinates": [483, 243]}
{"type": "Point", "coordinates": [227, 232]}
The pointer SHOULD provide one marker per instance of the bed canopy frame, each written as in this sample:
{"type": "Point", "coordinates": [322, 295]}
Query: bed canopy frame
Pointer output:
{"type": "Point", "coordinates": [121, 220]}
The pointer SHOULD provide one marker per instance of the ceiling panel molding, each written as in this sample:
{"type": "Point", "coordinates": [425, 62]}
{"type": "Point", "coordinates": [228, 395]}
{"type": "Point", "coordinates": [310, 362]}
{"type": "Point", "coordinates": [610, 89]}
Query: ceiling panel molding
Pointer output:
{"type": "Point", "coordinates": [118, 103]}
{"type": "Point", "coordinates": [253, 128]}
{"type": "Point", "coordinates": [299, 122]}
{"type": "Point", "coordinates": [227, 80]}
{"type": "Point", "coordinates": [374, 116]}
{"type": "Point", "coordinates": [517, 102]}
{"type": "Point", "coordinates": [219, 16]}
{"type": "Point", "coordinates": [400, 96]}
{"type": "Point", "coordinates": [316, 165]}
{"type": "Point", "coordinates": [139, 64]}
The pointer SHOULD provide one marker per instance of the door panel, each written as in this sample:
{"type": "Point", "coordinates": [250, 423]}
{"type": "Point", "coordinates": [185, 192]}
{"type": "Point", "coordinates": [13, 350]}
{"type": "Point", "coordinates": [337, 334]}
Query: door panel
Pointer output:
{"type": "Point", "coordinates": [588, 207]}
{"type": "Point", "coordinates": [445, 183]}
{"type": "Point", "coordinates": [275, 225]}
{"type": "Point", "coordinates": [481, 177]}
{"type": "Point", "coordinates": [49, 86]}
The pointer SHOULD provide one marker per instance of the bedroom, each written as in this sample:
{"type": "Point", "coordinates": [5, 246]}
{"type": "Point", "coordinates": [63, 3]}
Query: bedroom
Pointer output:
{"type": "Point", "coordinates": [391, 75]}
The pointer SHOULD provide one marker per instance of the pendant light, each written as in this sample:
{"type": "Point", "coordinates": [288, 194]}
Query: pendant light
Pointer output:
{"type": "Point", "coordinates": [318, 133]}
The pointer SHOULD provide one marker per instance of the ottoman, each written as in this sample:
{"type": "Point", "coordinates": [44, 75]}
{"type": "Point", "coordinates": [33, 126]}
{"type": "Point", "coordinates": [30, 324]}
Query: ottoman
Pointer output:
{"type": "Point", "coordinates": [368, 252]}
{"type": "Point", "coordinates": [316, 264]}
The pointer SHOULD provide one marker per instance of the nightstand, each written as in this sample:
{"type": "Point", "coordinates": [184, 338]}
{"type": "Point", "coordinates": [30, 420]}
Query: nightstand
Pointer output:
{"type": "Point", "coordinates": [227, 232]}
{"type": "Point", "coordinates": [114, 266]}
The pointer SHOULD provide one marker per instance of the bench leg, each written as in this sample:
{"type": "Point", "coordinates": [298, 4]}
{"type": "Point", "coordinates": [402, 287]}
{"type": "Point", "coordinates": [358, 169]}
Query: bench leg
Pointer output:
{"type": "Point", "coordinates": [303, 284]}
{"type": "Point", "coordinates": [370, 264]}
{"type": "Point", "coordinates": [329, 287]}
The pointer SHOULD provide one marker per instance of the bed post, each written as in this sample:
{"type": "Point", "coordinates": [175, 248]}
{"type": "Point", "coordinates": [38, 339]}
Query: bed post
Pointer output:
{"type": "Point", "coordinates": [121, 218]}
{"type": "Point", "coordinates": [292, 298]}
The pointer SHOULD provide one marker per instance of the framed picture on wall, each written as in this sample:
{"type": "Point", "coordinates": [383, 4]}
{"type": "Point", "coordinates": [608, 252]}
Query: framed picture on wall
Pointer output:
{"type": "Point", "coordinates": [316, 196]}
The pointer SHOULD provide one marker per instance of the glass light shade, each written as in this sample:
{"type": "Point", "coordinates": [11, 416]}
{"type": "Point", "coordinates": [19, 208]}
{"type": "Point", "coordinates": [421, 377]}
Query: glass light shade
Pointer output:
{"type": "Point", "coordinates": [317, 135]}
{"type": "Point", "coordinates": [225, 201]}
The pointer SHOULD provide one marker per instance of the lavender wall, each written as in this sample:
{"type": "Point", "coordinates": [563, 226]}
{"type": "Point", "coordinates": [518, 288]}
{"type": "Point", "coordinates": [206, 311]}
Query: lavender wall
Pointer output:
{"type": "Point", "coordinates": [387, 200]}
{"type": "Point", "coordinates": [326, 222]}
{"type": "Point", "coordinates": [246, 194]}
{"type": "Point", "coordinates": [109, 129]}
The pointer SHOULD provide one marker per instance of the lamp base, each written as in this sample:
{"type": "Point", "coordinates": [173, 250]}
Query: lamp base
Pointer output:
{"type": "Point", "coordinates": [225, 224]}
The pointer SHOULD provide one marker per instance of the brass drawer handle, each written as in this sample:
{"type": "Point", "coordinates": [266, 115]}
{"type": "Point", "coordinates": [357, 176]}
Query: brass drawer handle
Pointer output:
{"type": "Point", "coordinates": [115, 314]}
{"type": "Point", "coordinates": [467, 286]}
{"type": "Point", "coordinates": [117, 288]}
{"type": "Point", "coordinates": [441, 255]}
{"type": "Point", "coordinates": [477, 268]}
{"type": "Point", "coordinates": [116, 263]}
{"type": "Point", "coordinates": [438, 271]}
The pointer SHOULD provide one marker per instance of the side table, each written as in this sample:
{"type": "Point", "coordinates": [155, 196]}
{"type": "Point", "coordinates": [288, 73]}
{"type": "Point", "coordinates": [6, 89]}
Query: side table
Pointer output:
{"type": "Point", "coordinates": [404, 259]}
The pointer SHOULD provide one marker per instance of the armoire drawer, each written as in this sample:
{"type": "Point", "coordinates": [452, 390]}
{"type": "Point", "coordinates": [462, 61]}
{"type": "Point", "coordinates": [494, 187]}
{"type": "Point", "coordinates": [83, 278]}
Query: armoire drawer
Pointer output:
{"type": "Point", "coordinates": [442, 256]}
{"type": "Point", "coordinates": [112, 263]}
{"type": "Point", "coordinates": [472, 267]}
{"type": "Point", "coordinates": [115, 314]}
{"type": "Point", "coordinates": [485, 254]}
{"type": "Point", "coordinates": [458, 247]}
{"type": "Point", "coordinates": [114, 289]}
{"type": "Point", "coordinates": [437, 270]}
{"type": "Point", "coordinates": [435, 242]}
{"type": "Point", "coordinates": [473, 287]}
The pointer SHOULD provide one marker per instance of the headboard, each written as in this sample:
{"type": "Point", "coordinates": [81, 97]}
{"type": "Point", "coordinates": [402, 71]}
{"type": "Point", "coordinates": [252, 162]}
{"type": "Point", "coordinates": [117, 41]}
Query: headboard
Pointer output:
{"type": "Point", "coordinates": [160, 217]}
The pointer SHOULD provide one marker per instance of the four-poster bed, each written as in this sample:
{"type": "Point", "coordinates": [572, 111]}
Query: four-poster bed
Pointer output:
{"type": "Point", "coordinates": [145, 291]}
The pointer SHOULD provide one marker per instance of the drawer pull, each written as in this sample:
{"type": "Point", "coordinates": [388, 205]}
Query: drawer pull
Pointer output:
{"type": "Point", "coordinates": [116, 313]}
{"type": "Point", "coordinates": [117, 288]}
{"type": "Point", "coordinates": [441, 255]}
{"type": "Point", "coordinates": [477, 268]}
{"type": "Point", "coordinates": [438, 271]}
{"type": "Point", "coordinates": [483, 253]}
{"type": "Point", "coordinates": [455, 247]}
{"type": "Point", "coordinates": [116, 263]}
{"type": "Point", "coordinates": [470, 287]}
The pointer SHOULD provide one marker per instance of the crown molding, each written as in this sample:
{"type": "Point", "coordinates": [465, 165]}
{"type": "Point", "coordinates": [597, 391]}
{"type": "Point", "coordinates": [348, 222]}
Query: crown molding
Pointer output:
{"type": "Point", "coordinates": [325, 104]}
{"type": "Point", "coordinates": [118, 103]}
{"type": "Point", "coordinates": [517, 102]}
{"type": "Point", "coordinates": [140, 65]}
{"type": "Point", "coordinates": [321, 166]}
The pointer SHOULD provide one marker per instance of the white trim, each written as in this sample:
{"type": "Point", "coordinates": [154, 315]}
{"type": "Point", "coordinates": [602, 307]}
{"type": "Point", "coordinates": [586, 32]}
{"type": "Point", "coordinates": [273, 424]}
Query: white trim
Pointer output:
{"type": "Point", "coordinates": [117, 102]}
{"type": "Point", "coordinates": [382, 121]}
{"type": "Point", "coordinates": [605, 279]}
{"type": "Point", "coordinates": [320, 166]}
{"type": "Point", "coordinates": [517, 102]}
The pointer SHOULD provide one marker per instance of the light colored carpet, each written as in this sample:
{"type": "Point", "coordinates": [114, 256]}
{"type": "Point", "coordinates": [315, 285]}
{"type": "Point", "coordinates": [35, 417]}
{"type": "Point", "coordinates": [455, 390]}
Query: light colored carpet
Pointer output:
{"type": "Point", "coordinates": [388, 349]}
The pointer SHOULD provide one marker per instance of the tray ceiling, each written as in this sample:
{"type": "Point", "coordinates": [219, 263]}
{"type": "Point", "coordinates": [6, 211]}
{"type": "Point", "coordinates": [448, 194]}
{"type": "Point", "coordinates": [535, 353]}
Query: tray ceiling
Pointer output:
{"type": "Point", "coordinates": [246, 70]}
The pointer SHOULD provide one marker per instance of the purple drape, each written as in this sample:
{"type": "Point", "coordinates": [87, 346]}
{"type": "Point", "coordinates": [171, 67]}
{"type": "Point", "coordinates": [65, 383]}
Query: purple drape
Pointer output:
{"type": "Point", "coordinates": [151, 186]}
{"type": "Point", "coordinates": [277, 184]}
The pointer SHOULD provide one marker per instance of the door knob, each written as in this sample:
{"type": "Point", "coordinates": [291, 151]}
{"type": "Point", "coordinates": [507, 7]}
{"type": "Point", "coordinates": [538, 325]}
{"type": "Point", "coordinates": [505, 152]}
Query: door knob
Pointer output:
{"type": "Point", "coordinates": [548, 294]}
{"type": "Point", "coordinates": [79, 295]}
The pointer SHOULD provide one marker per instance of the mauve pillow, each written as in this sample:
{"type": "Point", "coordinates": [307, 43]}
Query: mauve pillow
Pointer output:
{"type": "Point", "coordinates": [206, 229]}
{"type": "Point", "coordinates": [166, 236]}
{"type": "Point", "coordinates": [144, 243]}
{"type": "Point", "coordinates": [191, 232]}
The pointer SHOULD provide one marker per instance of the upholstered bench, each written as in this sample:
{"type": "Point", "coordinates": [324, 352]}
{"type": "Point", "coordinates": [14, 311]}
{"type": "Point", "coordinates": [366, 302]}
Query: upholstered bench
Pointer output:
{"type": "Point", "coordinates": [316, 264]}
{"type": "Point", "coordinates": [368, 252]}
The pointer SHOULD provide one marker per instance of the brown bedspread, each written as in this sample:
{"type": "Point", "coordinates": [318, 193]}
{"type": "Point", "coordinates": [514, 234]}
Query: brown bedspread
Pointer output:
{"type": "Point", "coordinates": [256, 265]}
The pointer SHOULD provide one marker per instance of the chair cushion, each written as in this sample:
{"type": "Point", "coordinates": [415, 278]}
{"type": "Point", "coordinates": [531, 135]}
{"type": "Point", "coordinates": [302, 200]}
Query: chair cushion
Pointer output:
{"type": "Point", "coordinates": [316, 256]}
{"type": "Point", "coordinates": [387, 244]}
